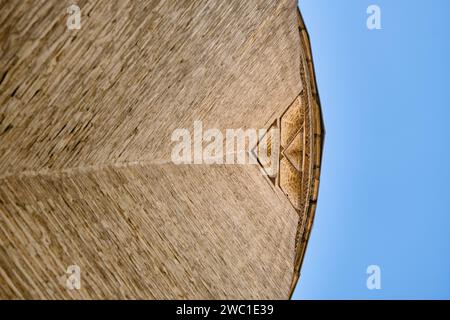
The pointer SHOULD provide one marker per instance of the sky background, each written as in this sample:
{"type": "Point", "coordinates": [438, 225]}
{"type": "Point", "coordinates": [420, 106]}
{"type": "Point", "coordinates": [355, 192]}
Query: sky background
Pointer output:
{"type": "Point", "coordinates": [385, 183]}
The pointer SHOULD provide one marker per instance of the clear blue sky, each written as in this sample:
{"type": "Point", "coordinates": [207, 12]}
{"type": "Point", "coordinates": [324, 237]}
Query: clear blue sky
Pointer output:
{"type": "Point", "coordinates": [385, 185]}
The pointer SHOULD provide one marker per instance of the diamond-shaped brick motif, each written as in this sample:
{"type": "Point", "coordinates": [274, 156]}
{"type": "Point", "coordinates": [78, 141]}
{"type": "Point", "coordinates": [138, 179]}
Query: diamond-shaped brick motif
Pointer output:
{"type": "Point", "coordinates": [290, 182]}
{"type": "Point", "coordinates": [291, 122]}
{"type": "Point", "coordinates": [289, 146]}
{"type": "Point", "coordinates": [294, 152]}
